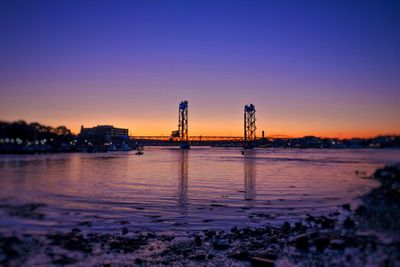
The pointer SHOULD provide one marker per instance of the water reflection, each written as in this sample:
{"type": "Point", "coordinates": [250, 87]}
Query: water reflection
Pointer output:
{"type": "Point", "coordinates": [104, 188]}
{"type": "Point", "coordinates": [183, 179]}
{"type": "Point", "coordinates": [249, 175]}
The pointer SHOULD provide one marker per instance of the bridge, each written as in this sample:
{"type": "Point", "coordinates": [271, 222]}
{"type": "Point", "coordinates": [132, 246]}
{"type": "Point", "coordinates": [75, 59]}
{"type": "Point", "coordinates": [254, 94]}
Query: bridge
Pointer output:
{"type": "Point", "coordinates": [194, 140]}
{"type": "Point", "coordinates": [198, 138]}
{"type": "Point", "coordinates": [182, 138]}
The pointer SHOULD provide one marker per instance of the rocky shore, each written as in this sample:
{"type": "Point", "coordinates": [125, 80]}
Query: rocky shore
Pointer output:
{"type": "Point", "coordinates": [369, 235]}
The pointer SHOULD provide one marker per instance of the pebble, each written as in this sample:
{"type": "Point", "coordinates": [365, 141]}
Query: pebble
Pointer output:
{"type": "Point", "coordinates": [240, 253]}
{"type": "Point", "coordinates": [348, 223]}
{"type": "Point", "coordinates": [337, 244]}
{"type": "Point", "coordinates": [199, 256]}
{"type": "Point", "coordinates": [346, 207]}
{"type": "Point", "coordinates": [261, 262]}
{"type": "Point", "coordinates": [197, 240]}
{"type": "Point", "coordinates": [302, 242]}
{"type": "Point", "coordinates": [221, 244]}
{"type": "Point", "coordinates": [321, 243]}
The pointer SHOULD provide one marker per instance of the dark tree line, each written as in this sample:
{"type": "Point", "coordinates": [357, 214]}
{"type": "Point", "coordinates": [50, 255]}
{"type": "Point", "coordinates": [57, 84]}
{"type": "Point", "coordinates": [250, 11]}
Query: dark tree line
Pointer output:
{"type": "Point", "coordinates": [32, 132]}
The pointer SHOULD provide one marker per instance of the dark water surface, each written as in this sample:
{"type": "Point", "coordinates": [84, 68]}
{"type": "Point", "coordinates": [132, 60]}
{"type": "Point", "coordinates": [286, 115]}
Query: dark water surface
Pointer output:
{"type": "Point", "coordinates": [170, 189]}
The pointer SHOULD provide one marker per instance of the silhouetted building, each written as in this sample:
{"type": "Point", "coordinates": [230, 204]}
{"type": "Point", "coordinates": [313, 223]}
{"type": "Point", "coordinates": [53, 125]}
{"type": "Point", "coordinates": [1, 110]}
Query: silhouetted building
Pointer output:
{"type": "Point", "coordinates": [104, 138]}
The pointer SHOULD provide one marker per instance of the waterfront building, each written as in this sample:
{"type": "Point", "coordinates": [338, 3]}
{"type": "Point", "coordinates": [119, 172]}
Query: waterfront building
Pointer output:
{"type": "Point", "coordinates": [104, 138]}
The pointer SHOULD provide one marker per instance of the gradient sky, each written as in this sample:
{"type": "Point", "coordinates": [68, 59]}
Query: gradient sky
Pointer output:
{"type": "Point", "coordinates": [328, 68]}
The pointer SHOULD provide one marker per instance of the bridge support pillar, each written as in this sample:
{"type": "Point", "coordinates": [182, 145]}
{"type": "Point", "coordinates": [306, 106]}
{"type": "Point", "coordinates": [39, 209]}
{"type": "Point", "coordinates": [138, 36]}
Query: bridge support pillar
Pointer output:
{"type": "Point", "coordinates": [249, 126]}
{"type": "Point", "coordinates": [183, 125]}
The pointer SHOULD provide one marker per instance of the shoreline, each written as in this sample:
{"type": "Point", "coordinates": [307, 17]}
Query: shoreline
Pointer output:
{"type": "Point", "coordinates": [41, 152]}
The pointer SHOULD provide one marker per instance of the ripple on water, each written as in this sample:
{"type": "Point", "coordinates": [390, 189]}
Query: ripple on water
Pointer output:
{"type": "Point", "coordinates": [170, 189]}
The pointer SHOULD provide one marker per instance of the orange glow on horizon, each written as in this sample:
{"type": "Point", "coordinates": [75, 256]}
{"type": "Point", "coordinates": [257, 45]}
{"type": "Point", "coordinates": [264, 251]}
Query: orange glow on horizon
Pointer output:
{"type": "Point", "coordinates": [272, 133]}
{"type": "Point", "coordinates": [229, 123]}
{"type": "Point", "coordinates": [200, 126]}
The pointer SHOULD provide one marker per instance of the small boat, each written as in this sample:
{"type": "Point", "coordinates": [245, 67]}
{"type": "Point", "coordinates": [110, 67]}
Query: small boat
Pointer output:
{"type": "Point", "coordinates": [139, 151]}
{"type": "Point", "coordinates": [185, 145]}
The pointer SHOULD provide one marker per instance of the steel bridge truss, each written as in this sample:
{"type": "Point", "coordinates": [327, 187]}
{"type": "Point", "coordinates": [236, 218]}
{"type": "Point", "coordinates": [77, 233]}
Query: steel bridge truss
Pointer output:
{"type": "Point", "coordinates": [249, 124]}
{"type": "Point", "coordinates": [183, 121]}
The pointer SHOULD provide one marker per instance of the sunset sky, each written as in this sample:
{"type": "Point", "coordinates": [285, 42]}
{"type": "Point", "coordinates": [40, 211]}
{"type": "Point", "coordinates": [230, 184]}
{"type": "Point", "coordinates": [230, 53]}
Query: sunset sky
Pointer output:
{"type": "Point", "coordinates": [327, 68]}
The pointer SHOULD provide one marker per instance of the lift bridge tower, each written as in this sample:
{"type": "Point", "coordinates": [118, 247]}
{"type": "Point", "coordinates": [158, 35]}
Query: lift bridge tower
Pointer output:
{"type": "Point", "coordinates": [183, 125]}
{"type": "Point", "coordinates": [249, 126]}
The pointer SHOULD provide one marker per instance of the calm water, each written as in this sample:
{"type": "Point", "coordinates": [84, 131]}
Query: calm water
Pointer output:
{"type": "Point", "coordinates": [170, 189]}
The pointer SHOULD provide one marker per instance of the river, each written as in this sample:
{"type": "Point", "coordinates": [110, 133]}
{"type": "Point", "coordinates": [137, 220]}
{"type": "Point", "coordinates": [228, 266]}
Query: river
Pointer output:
{"type": "Point", "coordinates": [167, 189]}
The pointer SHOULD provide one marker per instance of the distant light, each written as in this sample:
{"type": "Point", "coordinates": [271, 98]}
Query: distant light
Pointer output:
{"type": "Point", "coordinates": [1, 140]}
{"type": "Point", "coordinates": [12, 141]}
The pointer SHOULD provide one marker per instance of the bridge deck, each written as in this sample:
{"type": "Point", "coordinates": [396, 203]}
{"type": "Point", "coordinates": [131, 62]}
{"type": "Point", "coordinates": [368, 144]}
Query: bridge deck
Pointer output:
{"type": "Point", "coordinates": [191, 138]}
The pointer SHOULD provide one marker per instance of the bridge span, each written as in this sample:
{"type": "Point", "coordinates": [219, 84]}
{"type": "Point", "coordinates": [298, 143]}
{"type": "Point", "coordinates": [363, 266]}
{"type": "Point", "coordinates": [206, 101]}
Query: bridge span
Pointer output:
{"type": "Point", "coordinates": [198, 138]}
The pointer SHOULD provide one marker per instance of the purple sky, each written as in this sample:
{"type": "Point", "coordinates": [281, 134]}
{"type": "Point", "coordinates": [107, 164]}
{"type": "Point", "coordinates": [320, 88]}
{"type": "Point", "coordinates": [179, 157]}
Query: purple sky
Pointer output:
{"type": "Point", "coordinates": [329, 68]}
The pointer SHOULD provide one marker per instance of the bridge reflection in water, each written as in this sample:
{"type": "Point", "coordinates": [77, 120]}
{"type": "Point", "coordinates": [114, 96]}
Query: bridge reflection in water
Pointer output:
{"type": "Point", "coordinates": [249, 175]}
{"type": "Point", "coordinates": [183, 179]}
{"type": "Point", "coordinates": [249, 165]}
